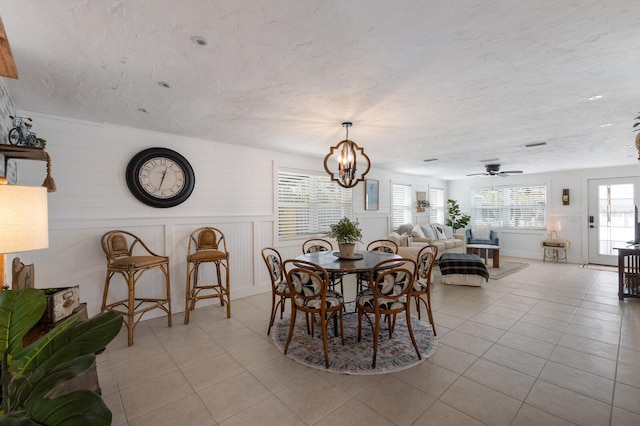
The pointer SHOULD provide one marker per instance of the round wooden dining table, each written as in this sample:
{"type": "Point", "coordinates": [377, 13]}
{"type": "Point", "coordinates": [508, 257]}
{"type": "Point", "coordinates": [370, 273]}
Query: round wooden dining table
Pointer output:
{"type": "Point", "coordinates": [330, 260]}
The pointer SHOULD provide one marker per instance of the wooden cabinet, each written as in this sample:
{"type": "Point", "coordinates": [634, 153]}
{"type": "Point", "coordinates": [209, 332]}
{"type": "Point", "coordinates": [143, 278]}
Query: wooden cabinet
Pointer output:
{"type": "Point", "coordinates": [628, 272]}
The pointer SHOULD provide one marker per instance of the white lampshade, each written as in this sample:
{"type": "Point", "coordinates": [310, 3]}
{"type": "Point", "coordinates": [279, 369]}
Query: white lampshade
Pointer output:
{"type": "Point", "coordinates": [24, 221]}
{"type": "Point", "coordinates": [554, 226]}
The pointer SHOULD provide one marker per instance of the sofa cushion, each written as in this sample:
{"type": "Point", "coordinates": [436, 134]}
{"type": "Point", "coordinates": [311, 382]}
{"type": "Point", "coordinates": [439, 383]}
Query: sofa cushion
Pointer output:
{"type": "Point", "coordinates": [417, 232]}
{"type": "Point", "coordinates": [428, 232]}
{"type": "Point", "coordinates": [448, 244]}
{"type": "Point", "coordinates": [395, 237]}
{"type": "Point", "coordinates": [448, 231]}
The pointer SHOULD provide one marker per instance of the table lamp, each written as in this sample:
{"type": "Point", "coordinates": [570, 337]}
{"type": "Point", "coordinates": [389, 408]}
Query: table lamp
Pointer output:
{"type": "Point", "coordinates": [24, 222]}
{"type": "Point", "coordinates": [553, 226]}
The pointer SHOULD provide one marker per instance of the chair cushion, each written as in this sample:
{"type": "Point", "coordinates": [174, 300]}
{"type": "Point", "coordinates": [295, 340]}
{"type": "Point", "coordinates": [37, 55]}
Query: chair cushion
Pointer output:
{"type": "Point", "coordinates": [419, 286]}
{"type": "Point", "coordinates": [207, 256]}
{"type": "Point", "coordinates": [282, 288]}
{"type": "Point", "coordinates": [137, 262]}
{"type": "Point", "coordinates": [334, 299]}
{"type": "Point", "coordinates": [365, 299]}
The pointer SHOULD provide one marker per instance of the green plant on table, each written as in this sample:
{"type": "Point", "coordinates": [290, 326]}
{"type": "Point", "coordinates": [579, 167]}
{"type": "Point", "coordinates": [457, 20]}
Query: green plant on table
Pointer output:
{"type": "Point", "coordinates": [456, 218]}
{"type": "Point", "coordinates": [345, 231]}
{"type": "Point", "coordinates": [33, 378]}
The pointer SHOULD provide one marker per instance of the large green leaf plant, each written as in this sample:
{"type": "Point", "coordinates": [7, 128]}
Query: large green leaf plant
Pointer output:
{"type": "Point", "coordinates": [33, 378]}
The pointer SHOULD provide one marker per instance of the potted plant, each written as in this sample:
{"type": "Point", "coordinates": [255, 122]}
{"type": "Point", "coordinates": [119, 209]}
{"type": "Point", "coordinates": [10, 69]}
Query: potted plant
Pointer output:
{"type": "Point", "coordinates": [33, 377]}
{"type": "Point", "coordinates": [456, 219]}
{"type": "Point", "coordinates": [346, 233]}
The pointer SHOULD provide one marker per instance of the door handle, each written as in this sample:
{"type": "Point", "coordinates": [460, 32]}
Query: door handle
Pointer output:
{"type": "Point", "coordinates": [591, 226]}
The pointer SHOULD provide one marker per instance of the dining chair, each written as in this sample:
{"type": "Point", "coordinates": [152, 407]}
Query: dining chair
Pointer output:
{"type": "Point", "coordinates": [310, 292]}
{"type": "Point", "coordinates": [388, 293]}
{"type": "Point", "coordinates": [279, 288]}
{"type": "Point", "coordinates": [128, 256]}
{"type": "Point", "coordinates": [315, 245]}
{"type": "Point", "coordinates": [386, 246]}
{"type": "Point", "coordinates": [207, 246]}
{"type": "Point", "coordinates": [422, 281]}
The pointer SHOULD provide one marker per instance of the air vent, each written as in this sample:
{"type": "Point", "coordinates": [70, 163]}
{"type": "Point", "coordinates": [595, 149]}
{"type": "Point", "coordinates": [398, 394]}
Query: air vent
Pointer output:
{"type": "Point", "coordinates": [531, 145]}
{"type": "Point", "coordinates": [430, 159]}
{"type": "Point", "coordinates": [490, 160]}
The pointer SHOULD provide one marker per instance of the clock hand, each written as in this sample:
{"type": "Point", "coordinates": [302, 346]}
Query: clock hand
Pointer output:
{"type": "Point", "coordinates": [163, 175]}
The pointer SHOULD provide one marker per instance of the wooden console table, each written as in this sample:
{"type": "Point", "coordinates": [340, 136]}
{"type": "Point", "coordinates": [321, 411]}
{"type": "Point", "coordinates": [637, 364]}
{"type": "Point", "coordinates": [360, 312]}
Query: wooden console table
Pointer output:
{"type": "Point", "coordinates": [628, 272]}
{"type": "Point", "coordinates": [551, 250]}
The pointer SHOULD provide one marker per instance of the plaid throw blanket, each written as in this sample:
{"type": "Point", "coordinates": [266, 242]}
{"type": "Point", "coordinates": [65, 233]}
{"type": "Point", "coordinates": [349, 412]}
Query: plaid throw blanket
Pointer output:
{"type": "Point", "coordinates": [458, 263]}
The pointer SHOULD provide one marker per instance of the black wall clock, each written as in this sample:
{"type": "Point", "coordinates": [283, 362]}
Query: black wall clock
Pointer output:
{"type": "Point", "coordinates": [160, 177]}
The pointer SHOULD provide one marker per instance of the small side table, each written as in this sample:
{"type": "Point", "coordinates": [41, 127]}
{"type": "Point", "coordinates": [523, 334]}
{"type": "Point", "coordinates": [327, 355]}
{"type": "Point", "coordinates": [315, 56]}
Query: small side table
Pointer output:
{"type": "Point", "coordinates": [551, 249]}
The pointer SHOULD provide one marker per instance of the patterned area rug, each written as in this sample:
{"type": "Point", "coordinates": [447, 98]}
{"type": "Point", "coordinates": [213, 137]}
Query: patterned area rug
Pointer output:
{"type": "Point", "coordinates": [356, 357]}
{"type": "Point", "coordinates": [506, 268]}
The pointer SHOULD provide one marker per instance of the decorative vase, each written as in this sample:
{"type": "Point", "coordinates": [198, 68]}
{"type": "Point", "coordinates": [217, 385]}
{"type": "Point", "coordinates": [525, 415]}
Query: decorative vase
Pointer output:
{"type": "Point", "coordinates": [347, 249]}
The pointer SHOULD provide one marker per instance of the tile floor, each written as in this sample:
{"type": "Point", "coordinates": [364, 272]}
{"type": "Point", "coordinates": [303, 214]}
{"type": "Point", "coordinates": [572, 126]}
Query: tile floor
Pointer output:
{"type": "Point", "coordinates": [549, 345]}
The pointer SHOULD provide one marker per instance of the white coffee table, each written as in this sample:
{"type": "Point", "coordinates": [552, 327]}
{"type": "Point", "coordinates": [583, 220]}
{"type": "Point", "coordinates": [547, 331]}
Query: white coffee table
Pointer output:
{"type": "Point", "coordinates": [471, 248]}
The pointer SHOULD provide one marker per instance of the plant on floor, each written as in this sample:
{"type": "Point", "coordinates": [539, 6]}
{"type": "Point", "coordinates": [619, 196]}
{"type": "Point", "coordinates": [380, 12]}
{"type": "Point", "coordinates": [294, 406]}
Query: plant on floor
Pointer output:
{"type": "Point", "coordinates": [456, 219]}
{"type": "Point", "coordinates": [345, 231]}
{"type": "Point", "coordinates": [33, 378]}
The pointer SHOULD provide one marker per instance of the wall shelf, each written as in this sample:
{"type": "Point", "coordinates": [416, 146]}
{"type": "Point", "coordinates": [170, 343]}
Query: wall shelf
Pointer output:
{"type": "Point", "coordinates": [23, 152]}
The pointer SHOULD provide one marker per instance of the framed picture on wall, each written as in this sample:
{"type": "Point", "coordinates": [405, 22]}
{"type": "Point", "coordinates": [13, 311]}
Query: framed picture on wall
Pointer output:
{"type": "Point", "coordinates": [371, 194]}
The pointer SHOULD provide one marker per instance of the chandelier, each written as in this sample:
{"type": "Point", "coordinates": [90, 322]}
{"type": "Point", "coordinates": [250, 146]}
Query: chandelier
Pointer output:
{"type": "Point", "coordinates": [345, 157]}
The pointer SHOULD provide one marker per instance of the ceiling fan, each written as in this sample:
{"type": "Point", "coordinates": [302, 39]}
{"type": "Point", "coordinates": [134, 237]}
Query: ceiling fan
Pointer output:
{"type": "Point", "coordinates": [494, 170]}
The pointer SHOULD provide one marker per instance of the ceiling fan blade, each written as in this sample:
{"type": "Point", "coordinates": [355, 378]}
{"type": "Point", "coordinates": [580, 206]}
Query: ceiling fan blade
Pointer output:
{"type": "Point", "coordinates": [508, 172]}
{"type": "Point", "coordinates": [478, 174]}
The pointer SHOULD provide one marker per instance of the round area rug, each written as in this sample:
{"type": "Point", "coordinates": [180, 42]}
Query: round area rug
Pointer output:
{"type": "Point", "coordinates": [356, 357]}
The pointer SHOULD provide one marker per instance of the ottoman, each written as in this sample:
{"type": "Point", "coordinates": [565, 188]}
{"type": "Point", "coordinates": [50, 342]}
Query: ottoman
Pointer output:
{"type": "Point", "coordinates": [463, 269]}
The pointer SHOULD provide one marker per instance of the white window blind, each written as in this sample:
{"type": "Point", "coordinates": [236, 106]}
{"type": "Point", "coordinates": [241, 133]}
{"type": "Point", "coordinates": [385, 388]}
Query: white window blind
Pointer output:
{"type": "Point", "coordinates": [308, 204]}
{"type": "Point", "coordinates": [401, 201]}
{"type": "Point", "coordinates": [510, 207]}
{"type": "Point", "coordinates": [436, 201]}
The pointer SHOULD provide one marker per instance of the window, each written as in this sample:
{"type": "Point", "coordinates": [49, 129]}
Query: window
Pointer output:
{"type": "Point", "coordinates": [308, 204]}
{"type": "Point", "coordinates": [401, 201]}
{"type": "Point", "coordinates": [436, 201]}
{"type": "Point", "coordinates": [515, 207]}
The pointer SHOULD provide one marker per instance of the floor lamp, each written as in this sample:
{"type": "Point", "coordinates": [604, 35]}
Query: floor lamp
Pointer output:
{"type": "Point", "coordinates": [24, 222]}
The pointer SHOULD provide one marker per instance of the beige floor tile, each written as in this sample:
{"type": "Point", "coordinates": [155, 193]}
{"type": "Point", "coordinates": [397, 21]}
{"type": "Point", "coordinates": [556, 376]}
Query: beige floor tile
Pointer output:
{"type": "Point", "coordinates": [452, 359]}
{"type": "Point", "coordinates": [237, 338]}
{"type": "Point", "coordinates": [113, 402]}
{"type": "Point", "coordinates": [593, 333]}
{"type": "Point", "coordinates": [515, 359]}
{"type": "Point", "coordinates": [629, 356]}
{"type": "Point", "coordinates": [270, 411]}
{"type": "Point", "coordinates": [280, 373]}
{"type": "Point", "coordinates": [482, 331]}
{"type": "Point", "coordinates": [427, 377]}
{"type": "Point", "coordinates": [540, 321]}
{"type": "Point", "coordinates": [501, 378]}
{"type": "Point", "coordinates": [555, 306]}
{"type": "Point", "coordinates": [532, 416]}
{"type": "Point", "coordinates": [354, 412]}
{"type": "Point", "coordinates": [524, 300]}
{"type": "Point", "coordinates": [620, 417]}
{"type": "Point", "coordinates": [457, 311]}
{"type": "Point", "coordinates": [233, 395]}
{"type": "Point", "coordinates": [212, 370]}
{"type": "Point", "coordinates": [313, 398]}
{"type": "Point", "coordinates": [256, 353]}
{"type": "Point", "coordinates": [595, 323]}
{"type": "Point", "coordinates": [195, 351]}
{"type": "Point", "coordinates": [628, 374]}
{"type": "Point", "coordinates": [579, 381]}
{"type": "Point", "coordinates": [612, 309]}
{"type": "Point", "coordinates": [630, 342]}
{"type": "Point", "coordinates": [540, 333]}
{"type": "Point", "coordinates": [143, 369]}
{"type": "Point", "coordinates": [583, 361]}
{"type": "Point", "coordinates": [465, 342]}
{"type": "Point", "coordinates": [604, 316]}
{"type": "Point", "coordinates": [445, 320]}
{"type": "Point", "coordinates": [589, 346]}
{"type": "Point", "coordinates": [509, 308]}
{"type": "Point", "coordinates": [527, 344]}
{"type": "Point", "coordinates": [400, 402]}
{"type": "Point", "coordinates": [440, 414]}
{"type": "Point", "coordinates": [627, 397]}
{"type": "Point", "coordinates": [555, 314]}
{"type": "Point", "coordinates": [480, 402]}
{"type": "Point", "coordinates": [154, 394]}
{"type": "Point", "coordinates": [352, 384]}
{"type": "Point", "coordinates": [188, 411]}
{"type": "Point", "coordinates": [496, 321]}
{"type": "Point", "coordinates": [568, 405]}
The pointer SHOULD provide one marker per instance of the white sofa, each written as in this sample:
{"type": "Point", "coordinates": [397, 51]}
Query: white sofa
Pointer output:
{"type": "Point", "coordinates": [411, 238]}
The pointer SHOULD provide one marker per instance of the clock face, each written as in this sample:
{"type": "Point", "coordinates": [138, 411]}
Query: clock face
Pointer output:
{"type": "Point", "coordinates": [160, 177]}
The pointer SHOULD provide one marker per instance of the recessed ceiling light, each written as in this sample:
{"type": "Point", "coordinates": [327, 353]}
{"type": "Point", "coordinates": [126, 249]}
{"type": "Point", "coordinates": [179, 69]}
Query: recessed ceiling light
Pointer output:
{"type": "Point", "coordinates": [430, 159]}
{"type": "Point", "coordinates": [164, 84]}
{"type": "Point", "coordinates": [595, 97]}
{"type": "Point", "coordinates": [531, 145]}
{"type": "Point", "coordinates": [606, 125]}
{"type": "Point", "coordinates": [199, 41]}
{"type": "Point", "coordinates": [143, 110]}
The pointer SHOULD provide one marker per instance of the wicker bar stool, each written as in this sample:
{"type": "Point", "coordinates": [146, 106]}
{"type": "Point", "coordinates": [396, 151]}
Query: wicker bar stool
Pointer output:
{"type": "Point", "coordinates": [129, 256]}
{"type": "Point", "coordinates": [207, 245]}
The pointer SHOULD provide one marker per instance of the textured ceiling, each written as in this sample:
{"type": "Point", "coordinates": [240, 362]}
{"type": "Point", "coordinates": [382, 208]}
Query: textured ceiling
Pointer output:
{"type": "Point", "coordinates": [460, 81]}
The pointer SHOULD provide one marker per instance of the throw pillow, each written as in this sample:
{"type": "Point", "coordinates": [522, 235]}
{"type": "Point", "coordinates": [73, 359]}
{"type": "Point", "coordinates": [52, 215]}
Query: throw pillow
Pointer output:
{"type": "Point", "coordinates": [428, 232]}
{"type": "Point", "coordinates": [439, 231]}
{"type": "Point", "coordinates": [448, 231]}
{"type": "Point", "coordinates": [417, 232]}
{"type": "Point", "coordinates": [480, 231]}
